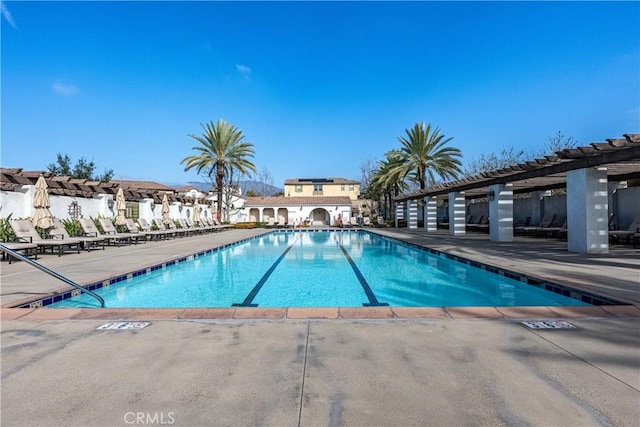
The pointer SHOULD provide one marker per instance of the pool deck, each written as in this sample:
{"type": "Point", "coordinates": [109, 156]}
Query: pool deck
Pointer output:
{"type": "Point", "coordinates": [374, 366]}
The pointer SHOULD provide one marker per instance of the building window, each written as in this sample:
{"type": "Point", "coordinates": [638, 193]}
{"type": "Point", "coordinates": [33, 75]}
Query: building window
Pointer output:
{"type": "Point", "coordinates": [298, 188]}
{"type": "Point", "coordinates": [341, 187]}
{"type": "Point", "coordinates": [317, 189]}
{"type": "Point", "coordinates": [351, 187]}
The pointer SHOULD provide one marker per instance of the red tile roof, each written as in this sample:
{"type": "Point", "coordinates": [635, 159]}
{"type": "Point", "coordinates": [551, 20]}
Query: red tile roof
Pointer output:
{"type": "Point", "coordinates": [297, 201]}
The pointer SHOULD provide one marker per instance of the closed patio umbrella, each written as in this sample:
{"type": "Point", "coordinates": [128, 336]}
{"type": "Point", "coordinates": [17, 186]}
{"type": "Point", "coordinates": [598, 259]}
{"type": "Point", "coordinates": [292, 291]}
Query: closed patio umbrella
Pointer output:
{"type": "Point", "coordinates": [165, 209]}
{"type": "Point", "coordinates": [196, 212]}
{"type": "Point", "coordinates": [42, 218]}
{"type": "Point", "coordinates": [121, 206]}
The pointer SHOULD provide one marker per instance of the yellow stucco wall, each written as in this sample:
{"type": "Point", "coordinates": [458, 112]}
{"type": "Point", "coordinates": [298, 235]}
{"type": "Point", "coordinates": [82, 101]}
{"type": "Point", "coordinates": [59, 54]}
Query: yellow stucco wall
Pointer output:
{"type": "Point", "coordinates": [328, 190]}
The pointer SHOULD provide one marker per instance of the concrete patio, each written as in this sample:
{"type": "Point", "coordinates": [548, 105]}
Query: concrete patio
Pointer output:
{"type": "Point", "coordinates": [374, 366]}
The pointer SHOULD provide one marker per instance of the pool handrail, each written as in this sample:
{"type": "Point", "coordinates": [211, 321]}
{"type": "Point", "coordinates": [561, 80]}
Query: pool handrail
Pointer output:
{"type": "Point", "coordinates": [51, 273]}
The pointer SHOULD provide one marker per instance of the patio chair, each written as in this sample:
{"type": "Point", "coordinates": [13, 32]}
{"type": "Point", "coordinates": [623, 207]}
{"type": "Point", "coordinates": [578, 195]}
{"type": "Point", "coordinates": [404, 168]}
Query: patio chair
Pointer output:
{"type": "Point", "coordinates": [132, 227]}
{"type": "Point", "coordinates": [281, 222]}
{"type": "Point", "coordinates": [26, 233]}
{"type": "Point", "coordinates": [162, 227]}
{"type": "Point", "coordinates": [26, 248]}
{"type": "Point", "coordinates": [628, 234]}
{"type": "Point", "coordinates": [353, 222]}
{"type": "Point", "coordinates": [271, 223]}
{"type": "Point", "coordinates": [545, 222]}
{"type": "Point", "coordinates": [178, 230]}
{"type": "Point", "coordinates": [110, 230]}
{"type": "Point", "coordinates": [146, 227]}
{"type": "Point", "coordinates": [91, 230]}
{"type": "Point", "coordinates": [88, 242]}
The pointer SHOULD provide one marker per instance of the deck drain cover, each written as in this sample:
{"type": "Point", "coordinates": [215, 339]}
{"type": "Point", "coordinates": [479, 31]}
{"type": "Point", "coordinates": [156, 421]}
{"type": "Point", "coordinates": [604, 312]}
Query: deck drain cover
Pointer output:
{"type": "Point", "coordinates": [548, 324]}
{"type": "Point", "coordinates": [123, 325]}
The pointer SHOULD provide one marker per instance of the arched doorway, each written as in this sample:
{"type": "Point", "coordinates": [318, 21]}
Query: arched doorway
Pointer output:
{"type": "Point", "coordinates": [254, 214]}
{"type": "Point", "coordinates": [320, 216]}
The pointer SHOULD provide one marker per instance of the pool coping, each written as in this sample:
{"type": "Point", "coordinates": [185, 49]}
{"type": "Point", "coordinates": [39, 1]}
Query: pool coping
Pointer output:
{"type": "Point", "coordinates": [342, 313]}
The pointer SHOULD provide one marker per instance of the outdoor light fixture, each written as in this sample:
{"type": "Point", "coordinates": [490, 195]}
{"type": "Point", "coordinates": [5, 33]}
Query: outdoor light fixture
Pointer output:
{"type": "Point", "coordinates": [491, 196]}
{"type": "Point", "coordinates": [153, 207]}
{"type": "Point", "coordinates": [110, 203]}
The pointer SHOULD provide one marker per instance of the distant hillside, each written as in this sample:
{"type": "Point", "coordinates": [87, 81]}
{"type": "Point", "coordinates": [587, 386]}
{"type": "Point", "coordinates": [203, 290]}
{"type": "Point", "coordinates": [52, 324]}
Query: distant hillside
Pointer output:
{"type": "Point", "coordinates": [245, 185]}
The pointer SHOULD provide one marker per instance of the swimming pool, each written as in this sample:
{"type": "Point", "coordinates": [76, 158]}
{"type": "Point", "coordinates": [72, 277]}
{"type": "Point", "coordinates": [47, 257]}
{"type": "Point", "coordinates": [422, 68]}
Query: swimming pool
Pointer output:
{"type": "Point", "coordinates": [323, 269]}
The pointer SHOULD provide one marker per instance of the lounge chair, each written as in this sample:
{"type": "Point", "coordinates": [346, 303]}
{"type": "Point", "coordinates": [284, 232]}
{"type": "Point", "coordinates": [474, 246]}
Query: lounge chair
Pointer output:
{"type": "Point", "coordinates": [26, 233]}
{"type": "Point", "coordinates": [281, 222]}
{"type": "Point", "coordinates": [628, 234]}
{"type": "Point", "coordinates": [545, 222]}
{"type": "Point", "coordinates": [27, 248]}
{"type": "Point", "coordinates": [88, 243]}
{"type": "Point", "coordinates": [162, 227]}
{"type": "Point", "coordinates": [91, 230]}
{"type": "Point", "coordinates": [353, 222]}
{"type": "Point", "coordinates": [366, 221]}
{"type": "Point", "coordinates": [146, 227]}
{"type": "Point", "coordinates": [133, 228]}
{"type": "Point", "coordinates": [110, 230]}
{"type": "Point", "coordinates": [178, 230]}
{"type": "Point", "coordinates": [222, 226]}
{"type": "Point", "coordinates": [271, 223]}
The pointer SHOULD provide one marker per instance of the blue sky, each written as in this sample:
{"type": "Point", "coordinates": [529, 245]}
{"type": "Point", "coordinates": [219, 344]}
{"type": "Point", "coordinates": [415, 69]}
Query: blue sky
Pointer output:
{"type": "Point", "coordinates": [316, 87]}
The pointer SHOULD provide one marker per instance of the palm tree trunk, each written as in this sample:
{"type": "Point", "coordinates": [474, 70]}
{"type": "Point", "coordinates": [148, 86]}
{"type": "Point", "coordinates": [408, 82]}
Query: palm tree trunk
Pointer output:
{"type": "Point", "coordinates": [220, 184]}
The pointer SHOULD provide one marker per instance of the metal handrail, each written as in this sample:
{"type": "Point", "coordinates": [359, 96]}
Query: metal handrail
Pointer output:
{"type": "Point", "coordinates": [50, 272]}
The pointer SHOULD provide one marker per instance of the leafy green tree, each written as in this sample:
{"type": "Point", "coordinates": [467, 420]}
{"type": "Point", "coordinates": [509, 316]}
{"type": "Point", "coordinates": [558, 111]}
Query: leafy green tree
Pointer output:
{"type": "Point", "coordinates": [83, 169]}
{"type": "Point", "coordinates": [425, 154]}
{"type": "Point", "coordinates": [222, 148]}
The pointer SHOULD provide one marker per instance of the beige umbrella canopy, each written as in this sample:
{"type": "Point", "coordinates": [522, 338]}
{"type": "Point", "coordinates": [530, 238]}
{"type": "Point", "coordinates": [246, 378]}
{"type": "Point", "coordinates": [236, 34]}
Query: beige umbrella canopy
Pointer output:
{"type": "Point", "coordinates": [42, 218]}
{"type": "Point", "coordinates": [196, 212]}
{"type": "Point", "coordinates": [165, 209]}
{"type": "Point", "coordinates": [121, 206]}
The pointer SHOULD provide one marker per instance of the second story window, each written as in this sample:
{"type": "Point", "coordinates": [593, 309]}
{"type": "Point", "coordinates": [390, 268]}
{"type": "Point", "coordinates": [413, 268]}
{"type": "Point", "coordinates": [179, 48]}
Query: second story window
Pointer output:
{"type": "Point", "coordinates": [298, 188]}
{"type": "Point", "coordinates": [317, 187]}
{"type": "Point", "coordinates": [341, 187]}
{"type": "Point", "coordinates": [351, 187]}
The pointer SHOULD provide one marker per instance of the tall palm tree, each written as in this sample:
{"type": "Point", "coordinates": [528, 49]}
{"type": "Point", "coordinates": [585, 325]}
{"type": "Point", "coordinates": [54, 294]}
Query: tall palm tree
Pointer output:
{"type": "Point", "coordinates": [426, 154]}
{"type": "Point", "coordinates": [389, 178]}
{"type": "Point", "coordinates": [222, 148]}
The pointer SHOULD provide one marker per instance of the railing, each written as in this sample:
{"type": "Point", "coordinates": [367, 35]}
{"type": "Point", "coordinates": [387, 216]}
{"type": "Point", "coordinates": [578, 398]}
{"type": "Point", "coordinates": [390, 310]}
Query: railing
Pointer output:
{"type": "Point", "coordinates": [52, 273]}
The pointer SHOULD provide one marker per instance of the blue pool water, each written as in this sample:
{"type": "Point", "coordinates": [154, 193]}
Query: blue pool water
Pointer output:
{"type": "Point", "coordinates": [321, 269]}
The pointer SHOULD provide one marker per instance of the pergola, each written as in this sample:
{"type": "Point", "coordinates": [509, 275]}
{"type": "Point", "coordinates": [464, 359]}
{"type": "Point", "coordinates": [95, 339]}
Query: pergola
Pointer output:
{"type": "Point", "coordinates": [584, 172]}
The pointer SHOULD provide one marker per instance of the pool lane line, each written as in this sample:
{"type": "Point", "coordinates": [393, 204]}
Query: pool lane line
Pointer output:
{"type": "Point", "coordinates": [373, 301]}
{"type": "Point", "coordinates": [248, 301]}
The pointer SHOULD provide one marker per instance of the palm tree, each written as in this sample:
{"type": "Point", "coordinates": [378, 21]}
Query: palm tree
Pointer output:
{"type": "Point", "coordinates": [425, 154]}
{"type": "Point", "coordinates": [222, 148]}
{"type": "Point", "coordinates": [389, 178]}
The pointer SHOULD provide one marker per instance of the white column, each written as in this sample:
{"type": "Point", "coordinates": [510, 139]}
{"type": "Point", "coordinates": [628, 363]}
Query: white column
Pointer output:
{"type": "Point", "coordinates": [412, 208]}
{"type": "Point", "coordinates": [260, 214]}
{"type": "Point", "coordinates": [457, 211]}
{"type": "Point", "coordinates": [587, 211]}
{"type": "Point", "coordinates": [399, 212]}
{"type": "Point", "coordinates": [501, 213]}
{"type": "Point", "coordinates": [430, 214]}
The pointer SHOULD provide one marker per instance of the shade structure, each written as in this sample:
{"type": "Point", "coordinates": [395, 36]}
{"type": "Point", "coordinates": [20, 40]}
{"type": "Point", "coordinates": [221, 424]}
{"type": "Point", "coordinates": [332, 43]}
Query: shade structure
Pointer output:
{"type": "Point", "coordinates": [42, 218]}
{"type": "Point", "coordinates": [121, 206]}
{"type": "Point", "coordinates": [165, 209]}
{"type": "Point", "coordinates": [196, 212]}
